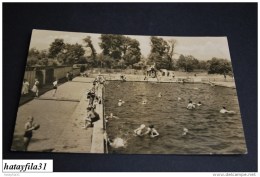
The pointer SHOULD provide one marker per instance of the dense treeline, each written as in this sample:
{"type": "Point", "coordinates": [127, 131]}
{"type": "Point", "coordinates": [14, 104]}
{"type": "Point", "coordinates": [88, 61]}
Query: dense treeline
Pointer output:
{"type": "Point", "coordinates": [119, 51]}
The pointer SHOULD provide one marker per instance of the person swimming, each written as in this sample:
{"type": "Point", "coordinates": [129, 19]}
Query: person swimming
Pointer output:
{"type": "Point", "coordinates": [199, 103]}
{"type": "Point", "coordinates": [159, 94]}
{"type": "Point", "coordinates": [185, 131]}
{"type": "Point", "coordinates": [179, 98]}
{"type": "Point", "coordinates": [144, 101]}
{"type": "Point", "coordinates": [116, 143]}
{"type": "Point", "coordinates": [224, 110]}
{"type": "Point", "coordinates": [139, 130]}
{"type": "Point", "coordinates": [120, 102]}
{"type": "Point", "coordinates": [191, 105]}
{"type": "Point", "coordinates": [152, 131]}
{"type": "Point", "coordinates": [111, 116]}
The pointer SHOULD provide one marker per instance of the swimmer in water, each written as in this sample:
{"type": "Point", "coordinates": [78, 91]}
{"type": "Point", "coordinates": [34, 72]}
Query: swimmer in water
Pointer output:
{"type": "Point", "coordinates": [199, 103]}
{"type": "Point", "coordinates": [139, 131]}
{"type": "Point", "coordinates": [160, 95]}
{"type": "Point", "coordinates": [179, 98]}
{"type": "Point", "coordinates": [111, 116]}
{"type": "Point", "coordinates": [224, 111]}
{"type": "Point", "coordinates": [144, 101]}
{"type": "Point", "coordinates": [120, 102]}
{"type": "Point", "coordinates": [152, 131]}
{"type": "Point", "coordinates": [116, 143]}
{"type": "Point", "coordinates": [185, 131]}
{"type": "Point", "coordinates": [191, 105]}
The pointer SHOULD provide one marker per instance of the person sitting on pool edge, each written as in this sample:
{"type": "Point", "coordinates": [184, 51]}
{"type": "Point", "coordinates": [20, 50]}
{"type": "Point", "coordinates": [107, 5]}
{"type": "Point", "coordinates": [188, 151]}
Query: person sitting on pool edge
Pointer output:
{"type": "Point", "coordinates": [224, 110]}
{"type": "Point", "coordinates": [91, 117]}
{"type": "Point", "coordinates": [139, 130]}
{"type": "Point", "coordinates": [190, 105]}
{"type": "Point", "coordinates": [152, 131]}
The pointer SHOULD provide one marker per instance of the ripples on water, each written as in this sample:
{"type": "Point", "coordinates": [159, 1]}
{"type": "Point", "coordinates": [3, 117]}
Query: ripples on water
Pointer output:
{"type": "Point", "coordinates": [209, 131]}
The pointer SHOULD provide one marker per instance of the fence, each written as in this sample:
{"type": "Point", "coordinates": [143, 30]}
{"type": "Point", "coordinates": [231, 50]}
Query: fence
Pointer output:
{"type": "Point", "coordinates": [47, 75]}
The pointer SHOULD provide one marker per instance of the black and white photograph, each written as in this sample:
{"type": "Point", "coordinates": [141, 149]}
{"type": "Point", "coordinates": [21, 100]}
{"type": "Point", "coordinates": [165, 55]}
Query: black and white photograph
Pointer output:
{"type": "Point", "coordinates": [128, 94]}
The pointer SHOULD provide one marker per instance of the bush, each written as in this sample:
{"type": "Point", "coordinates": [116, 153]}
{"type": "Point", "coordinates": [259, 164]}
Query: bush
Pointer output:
{"type": "Point", "coordinates": [82, 68]}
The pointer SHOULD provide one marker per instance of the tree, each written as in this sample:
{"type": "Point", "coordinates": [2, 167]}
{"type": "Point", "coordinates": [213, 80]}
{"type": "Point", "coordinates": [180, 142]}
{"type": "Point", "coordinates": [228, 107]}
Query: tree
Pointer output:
{"type": "Point", "coordinates": [172, 44]}
{"type": "Point", "coordinates": [105, 61]}
{"type": "Point", "coordinates": [33, 52]}
{"type": "Point", "coordinates": [203, 65]}
{"type": "Point", "coordinates": [121, 49]}
{"type": "Point", "coordinates": [112, 45]}
{"type": "Point", "coordinates": [132, 52]}
{"type": "Point", "coordinates": [160, 53]}
{"type": "Point", "coordinates": [56, 48]}
{"type": "Point", "coordinates": [89, 44]}
{"type": "Point", "coordinates": [181, 62]}
{"type": "Point", "coordinates": [219, 66]}
{"type": "Point", "coordinates": [188, 63]}
{"type": "Point", "coordinates": [31, 61]}
{"type": "Point", "coordinates": [71, 54]}
{"type": "Point", "coordinates": [37, 57]}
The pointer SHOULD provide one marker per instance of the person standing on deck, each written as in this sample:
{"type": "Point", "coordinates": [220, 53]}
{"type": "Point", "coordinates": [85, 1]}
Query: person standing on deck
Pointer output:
{"type": "Point", "coordinates": [29, 127]}
{"type": "Point", "coordinates": [35, 88]}
{"type": "Point", "coordinates": [26, 85]}
{"type": "Point", "coordinates": [55, 87]}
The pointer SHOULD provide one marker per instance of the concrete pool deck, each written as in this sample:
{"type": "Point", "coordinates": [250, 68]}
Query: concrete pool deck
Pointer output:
{"type": "Point", "coordinates": [61, 120]}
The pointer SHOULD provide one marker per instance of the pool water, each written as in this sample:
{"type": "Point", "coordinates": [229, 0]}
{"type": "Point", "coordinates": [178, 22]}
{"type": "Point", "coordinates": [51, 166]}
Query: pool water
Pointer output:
{"type": "Point", "coordinates": [209, 132]}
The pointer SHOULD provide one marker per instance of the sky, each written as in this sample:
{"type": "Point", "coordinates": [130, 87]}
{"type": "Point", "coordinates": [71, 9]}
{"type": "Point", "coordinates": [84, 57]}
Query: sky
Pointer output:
{"type": "Point", "coordinates": [202, 48]}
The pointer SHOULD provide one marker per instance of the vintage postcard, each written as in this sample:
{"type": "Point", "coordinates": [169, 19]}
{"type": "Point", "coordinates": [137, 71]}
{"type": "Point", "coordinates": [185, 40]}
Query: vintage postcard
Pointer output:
{"type": "Point", "coordinates": [128, 94]}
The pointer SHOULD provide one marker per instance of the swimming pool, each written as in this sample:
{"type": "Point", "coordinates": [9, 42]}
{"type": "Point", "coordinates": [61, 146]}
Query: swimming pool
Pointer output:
{"type": "Point", "coordinates": [209, 131]}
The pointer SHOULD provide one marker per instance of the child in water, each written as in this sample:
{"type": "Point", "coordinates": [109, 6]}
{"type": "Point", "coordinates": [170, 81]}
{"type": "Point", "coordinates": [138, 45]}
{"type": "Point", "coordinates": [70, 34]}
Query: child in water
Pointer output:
{"type": "Point", "coordinates": [199, 103]}
{"type": "Point", "coordinates": [190, 105]}
{"type": "Point", "coordinates": [224, 110]}
{"type": "Point", "coordinates": [139, 131]}
{"type": "Point", "coordinates": [152, 131]}
{"type": "Point", "coordinates": [120, 103]}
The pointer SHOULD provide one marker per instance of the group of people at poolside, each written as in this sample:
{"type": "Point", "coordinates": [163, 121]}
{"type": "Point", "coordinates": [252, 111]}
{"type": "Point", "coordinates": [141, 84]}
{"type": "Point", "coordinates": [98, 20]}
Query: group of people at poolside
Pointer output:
{"type": "Point", "coordinates": [26, 87]}
{"type": "Point", "coordinates": [35, 88]}
{"type": "Point", "coordinates": [94, 99]}
{"type": "Point", "coordinates": [29, 126]}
